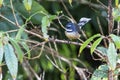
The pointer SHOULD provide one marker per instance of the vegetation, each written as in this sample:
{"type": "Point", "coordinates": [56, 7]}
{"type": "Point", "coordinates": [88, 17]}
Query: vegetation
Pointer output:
{"type": "Point", "coordinates": [33, 45]}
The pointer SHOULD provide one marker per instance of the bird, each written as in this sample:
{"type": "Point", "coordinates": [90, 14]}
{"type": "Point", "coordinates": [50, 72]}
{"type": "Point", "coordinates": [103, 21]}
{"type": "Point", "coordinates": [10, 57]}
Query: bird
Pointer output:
{"type": "Point", "coordinates": [72, 30]}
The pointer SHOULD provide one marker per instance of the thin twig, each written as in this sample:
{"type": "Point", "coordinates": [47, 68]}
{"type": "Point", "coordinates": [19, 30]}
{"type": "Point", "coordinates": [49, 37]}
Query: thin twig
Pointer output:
{"type": "Point", "coordinates": [52, 53]}
{"type": "Point", "coordinates": [101, 31]}
{"type": "Point", "coordinates": [81, 73]}
{"type": "Point", "coordinates": [7, 19]}
{"type": "Point", "coordinates": [38, 56]}
{"type": "Point", "coordinates": [14, 13]}
{"type": "Point", "coordinates": [99, 53]}
{"type": "Point", "coordinates": [102, 4]}
{"type": "Point", "coordinates": [54, 64]}
{"type": "Point", "coordinates": [39, 36]}
{"type": "Point", "coordinates": [66, 9]}
{"type": "Point", "coordinates": [31, 69]}
{"type": "Point", "coordinates": [61, 23]}
{"type": "Point", "coordinates": [55, 45]}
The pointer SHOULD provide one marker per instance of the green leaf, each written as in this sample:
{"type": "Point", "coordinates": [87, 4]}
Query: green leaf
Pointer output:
{"type": "Point", "coordinates": [46, 21]}
{"type": "Point", "coordinates": [95, 44]}
{"type": "Point", "coordinates": [112, 56]}
{"type": "Point", "coordinates": [28, 4]}
{"type": "Point", "coordinates": [100, 73]}
{"type": "Point", "coordinates": [45, 24]}
{"type": "Point", "coordinates": [26, 47]}
{"type": "Point", "coordinates": [6, 25]}
{"type": "Point", "coordinates": [116, 13]}
{"type": "Point", "coordinates": [87, 42]}
{"type": "Point", "coordinates": [70, 2]}
{"type": "Point", "coordinates": [103, 50]}
{"type": "Point", "coordinates": [116, 3]}
{"type": "Point", "coordinates": [20, 32]}
{"type": "Point", "coordinates": [37, 9]}
{"type": "Point", "coordinates": [116, 40]}
{"type": "Point", "coordinates": [11, 60]}
{"type": "Point", "coordinates": [18, 50]}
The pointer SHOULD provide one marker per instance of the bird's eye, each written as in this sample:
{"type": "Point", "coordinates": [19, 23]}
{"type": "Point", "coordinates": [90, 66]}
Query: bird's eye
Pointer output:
{"type": "Point", "coordinates": [83, 21]}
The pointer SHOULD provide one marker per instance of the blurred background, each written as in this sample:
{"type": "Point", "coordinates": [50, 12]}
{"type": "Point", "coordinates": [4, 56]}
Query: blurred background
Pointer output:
{"type": "Point", "coordinates": [93, 9]}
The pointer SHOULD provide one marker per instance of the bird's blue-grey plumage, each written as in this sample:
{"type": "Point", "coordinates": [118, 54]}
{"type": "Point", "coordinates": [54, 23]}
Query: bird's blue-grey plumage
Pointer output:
{"type": "Point", "coordinates": [73, 29]}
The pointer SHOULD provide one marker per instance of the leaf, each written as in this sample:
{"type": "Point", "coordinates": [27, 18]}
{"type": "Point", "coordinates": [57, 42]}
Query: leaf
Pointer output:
{"type": "Point", "coordinates": [100, 73]}
{"type": "Point", "coordinates": [37, 9]}
{"type": "Point", "coordinates": [18, 50]}
{"type": "Point", "coordinates": [1, 2]}
{"type": "Point", "coordinates": [112, 56]}
{"type": "Point", "coordinates": [7, 26]}
{"type": "Point", "coordinates": [95, 44]}
{"type": "Point", "coordinates": [26, 47]}
{"type": "Point", "coordinates": [19, 34]}
{"type": "Point", "coordinates": [103, 50]}
{"type": "Point", "coordinates": [70, 2]}
{"type": "Point", "coordinates": [27, 4]}
{"type": "Point", "coordinates": [116, 13]}
{"type": "Point", "coordinates": [116, 3]}
{"type": "Point", "coordinates": [116, 40]}
{"type": "Point", "coordinates": [87, 42]}
{"type": "Point", "coordinates": [46, 21]}
{"type": "Point", "coordinates": [11, 60]}
{"type": "Point", "coordinates": [45, 24]}
{"type": "Point", "coordinates": [52, 17]}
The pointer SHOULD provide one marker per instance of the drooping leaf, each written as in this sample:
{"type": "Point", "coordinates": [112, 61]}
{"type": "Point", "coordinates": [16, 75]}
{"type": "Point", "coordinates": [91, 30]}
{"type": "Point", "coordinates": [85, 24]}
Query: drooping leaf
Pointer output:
{"type": "Point", "coordinates": [45, 24]}
{"type": "Point", "coordinates": [112, 56]}
{"type": "Point", "coordinates": [11, 60]}
{"type": "Point", "coordinates": [95, 44]}
{"type": "Point", "coordinates": [100, 73]}
{"type": "Point", "coordinates": [70, 2]}
{"type": "Point", "coordinates": [1, 2]}
{"type": "Point", "coordinates": [87, 42]}
{"type": "Point", "coordinates": [116, 40]}
{"type": "Point", "coordinates": [28, 4]}
{"type": "Point", "coordinates": [20, 32]}
{"type": "Point", "coordinates": [46, 21]}
{"type": "Point", "coordinates": [26, 47]}
{"type": "Point", "coordinates": [18, 50]}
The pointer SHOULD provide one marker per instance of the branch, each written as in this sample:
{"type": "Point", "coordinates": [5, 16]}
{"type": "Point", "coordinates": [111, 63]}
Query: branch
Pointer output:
{"type": "Point", "coordinates": [99, 53]}
{"type": "Point", "coordinates": [110, 17]}
{"type": "Point", "coordinates": [55, 40]}
{"type": "Point", "coordinates": [29, 70]}
{"type": "Point", "coordinates": [110, 28]}
{"type": "Point", "coordinates": [37, 35]}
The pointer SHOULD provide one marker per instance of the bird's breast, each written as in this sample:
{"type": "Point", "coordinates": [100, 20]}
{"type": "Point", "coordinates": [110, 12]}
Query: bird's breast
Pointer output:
{"type": "Point", "coordinates": [72, 35]}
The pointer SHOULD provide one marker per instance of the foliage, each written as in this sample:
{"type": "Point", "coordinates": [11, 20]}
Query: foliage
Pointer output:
{"type": "Point", "coordinates": [33, 45]}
